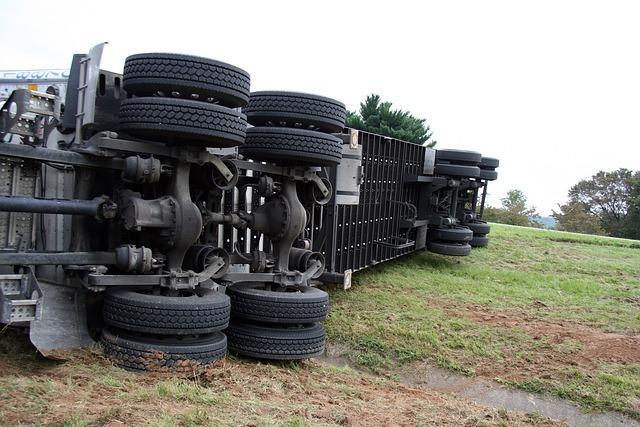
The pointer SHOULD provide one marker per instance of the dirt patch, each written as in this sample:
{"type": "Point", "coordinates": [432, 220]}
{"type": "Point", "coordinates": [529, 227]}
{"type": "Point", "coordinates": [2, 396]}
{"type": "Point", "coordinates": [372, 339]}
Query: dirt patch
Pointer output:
{"type": "Point", "coordinates": [631, 300]}
{"type": "Point", "coordinates": [570, 344]}
{"type": "Point", "coordinates": [597, 345]}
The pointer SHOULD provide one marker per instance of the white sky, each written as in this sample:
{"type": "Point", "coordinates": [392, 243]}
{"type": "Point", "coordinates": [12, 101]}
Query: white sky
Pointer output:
{"type": "Point", "coordinates": [552, 88]}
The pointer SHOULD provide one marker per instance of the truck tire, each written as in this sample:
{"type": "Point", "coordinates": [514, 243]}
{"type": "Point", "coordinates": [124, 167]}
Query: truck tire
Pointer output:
{"type": "Point", "coordinates": [489, 163]}
{"type": "Point", "coordinates": [488, 175]}
{"type": "Point", "coordinates": [455, 234]}
{"type": "Point", "coordinates": [295, 110]}
{"type": "Point", "coordinates": [201, 313]}
{"type": "Point", "coordinates": [273, 343]}
{"type": "Point", "coordinates": [182, 121]}
{"type": "Point", "coordinates": [457, 170]}
{"type": "Point", "coordinates": [145, 353]}
{"type": "Point", "coordinates": [300, 304]}
{"type": "Point", "coordinates": [480, 228]}
{"type": "Point", "coordinates": [479, 241]}
{"type": "Point", "coordinates": [292, 146]}
{"type": "Point", "coordinates": [449, 248]}
{"type": "Point", "coordinates": [189, 77]}
{"type": "Point", "coordinates": [458, 157]}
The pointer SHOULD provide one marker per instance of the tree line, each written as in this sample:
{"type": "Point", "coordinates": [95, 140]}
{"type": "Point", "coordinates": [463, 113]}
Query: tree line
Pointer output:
{"type": "Point", "coordinates": [608, 204]}
{"type": "Point", "coordinates": [514, 211]}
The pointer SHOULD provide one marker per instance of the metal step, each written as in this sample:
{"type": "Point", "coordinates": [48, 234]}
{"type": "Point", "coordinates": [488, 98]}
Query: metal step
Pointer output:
{"type": "Point", "coordinates": [20, 310]}
{"type": "Point", "coordinates": [12, 284]}
{"type": "Point", "coordinates": [20, 298]}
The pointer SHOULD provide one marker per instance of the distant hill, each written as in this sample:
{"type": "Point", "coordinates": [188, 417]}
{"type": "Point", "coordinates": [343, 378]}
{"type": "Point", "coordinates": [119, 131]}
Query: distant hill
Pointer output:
{"type": "Point", "coordinates": [548, 222]}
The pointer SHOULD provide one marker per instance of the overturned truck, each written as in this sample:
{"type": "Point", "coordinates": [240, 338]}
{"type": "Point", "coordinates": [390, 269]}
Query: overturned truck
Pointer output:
{"type": "Point", "coordinates": [172, 214]}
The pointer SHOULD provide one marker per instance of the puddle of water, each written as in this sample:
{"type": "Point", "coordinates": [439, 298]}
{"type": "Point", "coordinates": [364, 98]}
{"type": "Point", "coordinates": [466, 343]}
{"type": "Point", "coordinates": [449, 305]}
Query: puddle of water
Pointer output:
{"type": "Point", "coordinates": [492, 394]}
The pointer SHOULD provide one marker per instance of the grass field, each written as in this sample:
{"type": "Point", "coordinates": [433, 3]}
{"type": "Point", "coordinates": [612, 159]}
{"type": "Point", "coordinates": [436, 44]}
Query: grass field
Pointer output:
{"type": "Point", "coordinates": [550, 312]}
{"type": "Point", "coordinates": [544, 311]}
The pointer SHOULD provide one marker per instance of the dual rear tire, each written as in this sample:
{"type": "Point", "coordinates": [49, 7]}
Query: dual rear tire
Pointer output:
{"type": "Point", "coordinates": [151, 332]}
{"type": "Point", "coordinates": [273, 325]}
{"type": "Point", "coordinates": [488, 167]}
{"type": "Point", "coordinates": [182, 99]}
{"type": "Point", "coordinates": [457, 163]}
{"type": "Point", "coordinates": [480, 230]}
{"type": "Point", "coordinates": [182, 333]}
{"type": "Point", "coordinates": [451, 241]}
{"type": "Point", "coordinates": [294, 128]}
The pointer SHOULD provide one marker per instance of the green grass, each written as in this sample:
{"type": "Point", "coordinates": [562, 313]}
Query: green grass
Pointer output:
{"type": "Point", "coordinates": [418, 308]}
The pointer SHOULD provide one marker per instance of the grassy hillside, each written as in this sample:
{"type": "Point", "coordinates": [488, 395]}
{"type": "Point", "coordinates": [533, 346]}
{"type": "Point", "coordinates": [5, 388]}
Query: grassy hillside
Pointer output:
{"type": "Point", "coordinates": [545, 311]}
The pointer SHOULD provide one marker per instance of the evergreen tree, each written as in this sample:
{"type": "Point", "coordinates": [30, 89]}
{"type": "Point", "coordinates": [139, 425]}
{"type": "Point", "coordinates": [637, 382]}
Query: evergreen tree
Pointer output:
{"type": "Point", "coordinates": [378, 117]}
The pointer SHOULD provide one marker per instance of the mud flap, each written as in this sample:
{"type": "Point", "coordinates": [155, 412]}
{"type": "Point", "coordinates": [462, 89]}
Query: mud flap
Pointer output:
{"type": "Point", "coordinates": [63, 321]}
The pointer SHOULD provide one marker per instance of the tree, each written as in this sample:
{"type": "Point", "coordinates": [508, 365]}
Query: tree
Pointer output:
{"type": "Point", "coordinates": [514, 211]}
{"type": "Point", "coordinates": [632, 223]}
{"type": "Point", "coordinates": [575, 217]}
{"type": "Point", "coordinates": [611, 197]}
{"type": "Point", "coordinates": [378, 117]}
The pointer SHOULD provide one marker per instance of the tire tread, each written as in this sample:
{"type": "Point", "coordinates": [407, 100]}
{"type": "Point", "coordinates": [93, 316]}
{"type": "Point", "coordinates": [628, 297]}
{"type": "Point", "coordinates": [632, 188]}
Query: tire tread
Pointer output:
{"type": "Point", "coordinates": [170, 120]}
{"type": "Point", "coordinates": [197, 316]}
{"type": "Point", "coordinates": [274, 343]}
{"type": "Point", "coordinates": [292, 145]}
{"type": "Point", "coordinates": [144, 72]}
{"type": "Point", "coordinates": [127, 353]}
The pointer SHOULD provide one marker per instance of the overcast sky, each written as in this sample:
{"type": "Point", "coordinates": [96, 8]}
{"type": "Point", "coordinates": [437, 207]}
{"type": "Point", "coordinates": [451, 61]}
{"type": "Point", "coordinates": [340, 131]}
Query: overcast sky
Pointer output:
{"type": "Point", "coordinates": [551, 88]}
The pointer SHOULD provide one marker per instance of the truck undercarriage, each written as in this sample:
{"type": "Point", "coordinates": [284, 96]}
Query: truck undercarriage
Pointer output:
{"type": "Point", "coordinates": [157, 208]}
